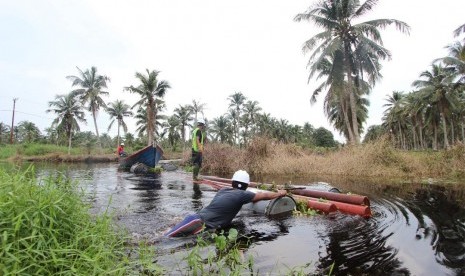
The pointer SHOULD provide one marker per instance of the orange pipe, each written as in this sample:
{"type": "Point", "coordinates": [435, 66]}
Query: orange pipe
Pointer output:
{"type": "Point", "coordinates": [324, 207]}
{"type": "Point", "coordinates": [347, 208]}
{"type": "Point", "coordinates": [351, 199]}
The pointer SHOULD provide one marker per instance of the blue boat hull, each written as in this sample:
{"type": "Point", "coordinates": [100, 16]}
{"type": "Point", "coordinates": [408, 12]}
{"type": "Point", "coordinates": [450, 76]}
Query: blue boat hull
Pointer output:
{"type": "Point", "coordinates": [148, 156]}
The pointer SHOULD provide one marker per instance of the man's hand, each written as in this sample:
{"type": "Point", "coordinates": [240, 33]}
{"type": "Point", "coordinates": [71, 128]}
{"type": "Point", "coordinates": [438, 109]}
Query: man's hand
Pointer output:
{"type": "Point", "coordinates": [281, 193]}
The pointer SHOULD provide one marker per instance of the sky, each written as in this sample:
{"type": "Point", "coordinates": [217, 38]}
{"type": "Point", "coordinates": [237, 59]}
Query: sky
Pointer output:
{"type": "Point", "coordinates": [206, 49]}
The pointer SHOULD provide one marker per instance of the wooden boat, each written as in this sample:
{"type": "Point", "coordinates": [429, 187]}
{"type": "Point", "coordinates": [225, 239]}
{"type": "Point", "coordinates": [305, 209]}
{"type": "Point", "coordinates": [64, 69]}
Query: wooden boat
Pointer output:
{"type": "Point", "coordinates": [149, 156]}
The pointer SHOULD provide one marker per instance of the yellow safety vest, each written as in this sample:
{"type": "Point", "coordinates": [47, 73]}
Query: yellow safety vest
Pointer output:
{"type": "Point", "coordinates": [194, 139]}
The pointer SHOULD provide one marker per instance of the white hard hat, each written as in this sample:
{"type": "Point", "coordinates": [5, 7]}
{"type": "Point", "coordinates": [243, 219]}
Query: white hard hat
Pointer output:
{"type": "Point", "coordinates": [201, 121]}
{"type": "Point", "coordinates": [122, 144]}
{"type": "Point", "coordinates": [241, 176]}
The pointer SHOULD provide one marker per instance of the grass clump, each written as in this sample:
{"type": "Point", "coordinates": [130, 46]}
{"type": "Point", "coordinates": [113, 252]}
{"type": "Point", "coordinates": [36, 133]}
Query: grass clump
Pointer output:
{"type": "Point", "coordinates": [46, 229]}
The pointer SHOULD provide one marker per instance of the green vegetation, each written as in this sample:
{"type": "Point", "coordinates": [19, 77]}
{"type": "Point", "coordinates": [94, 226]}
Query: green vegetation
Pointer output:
{"type": "Point", "coordinates": [47, 229]}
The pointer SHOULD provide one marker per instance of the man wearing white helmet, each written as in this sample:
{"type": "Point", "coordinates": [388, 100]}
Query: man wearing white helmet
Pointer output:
{"type": "Point", "coordinates": [198, 138]}
{"type": "Point", "coordinates": [223, 207]}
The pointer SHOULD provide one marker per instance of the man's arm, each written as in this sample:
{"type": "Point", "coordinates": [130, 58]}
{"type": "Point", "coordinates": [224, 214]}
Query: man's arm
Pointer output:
{"type": "Point", "coordinates": [268, 195]}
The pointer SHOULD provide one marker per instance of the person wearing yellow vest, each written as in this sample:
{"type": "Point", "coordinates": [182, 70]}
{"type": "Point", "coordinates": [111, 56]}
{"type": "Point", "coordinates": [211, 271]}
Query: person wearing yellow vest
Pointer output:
{"type": "Point", "coordinates": [198, 138]}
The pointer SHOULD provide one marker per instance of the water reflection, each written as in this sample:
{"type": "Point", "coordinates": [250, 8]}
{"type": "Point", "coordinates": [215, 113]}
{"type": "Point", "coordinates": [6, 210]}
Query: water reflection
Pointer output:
{"type": "Point", "coordinates": [416, 229]}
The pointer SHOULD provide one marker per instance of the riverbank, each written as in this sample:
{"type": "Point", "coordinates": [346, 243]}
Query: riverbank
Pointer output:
{"type": "Point", "coordinates": [267, 160]}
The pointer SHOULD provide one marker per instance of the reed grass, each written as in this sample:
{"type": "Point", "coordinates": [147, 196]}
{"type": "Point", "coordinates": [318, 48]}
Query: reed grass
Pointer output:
{"type": "Point", "coordinates": [373, 160]}
{"type": "Point", "coordinates": [46, 229]}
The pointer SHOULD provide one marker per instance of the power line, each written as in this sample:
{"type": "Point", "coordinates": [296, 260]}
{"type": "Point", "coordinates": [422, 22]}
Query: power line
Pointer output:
{"type": "Point", "coordinates": [35, 115]}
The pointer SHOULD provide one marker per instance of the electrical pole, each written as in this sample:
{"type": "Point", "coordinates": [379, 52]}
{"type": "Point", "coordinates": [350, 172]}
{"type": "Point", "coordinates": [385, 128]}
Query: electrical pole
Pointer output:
{"type": "Point", "coordinates": [13, 120]}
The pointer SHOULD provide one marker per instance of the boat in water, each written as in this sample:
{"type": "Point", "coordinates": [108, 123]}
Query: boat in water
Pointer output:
{"type": "Point", "coordinates": [149, 156]}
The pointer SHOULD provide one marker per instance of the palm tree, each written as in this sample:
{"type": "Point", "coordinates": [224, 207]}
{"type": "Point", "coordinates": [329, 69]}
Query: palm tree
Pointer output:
{"type": "Point", "coordinates": [456, 62]}
{"type": "Point", "coordinates": [4, 130]}
{"type": "Point", "coordinates": [117, 111]}
{"type": "Point", "coordinates": [236, 101]}
{"type": "Point", "coordinates": [172, 127]}
{"type": "Point", "coordinates": [393, 115]}
{"type": "Point", "coordinates": [90, 91]}
{"type": "Point", "coordinates": [459, 30]}
{"type": "Point", "coordinates": [183, 114]}
{"type": "Point", "coordinates": [354, 49]}
{"type": "Point", "coordinates": [197, 108]}
{"type": "Point", "coordinates": [436, 87]}
{"type": "Point", "coordinates": [69, 112]}
{"type": "Point", "coordinates": [149, 90]}
{"type": "Point", "coordinates": [220, 129]}
{"type": "Point", "coordinates": [28, 131]}
{"type": "Point", "coordinates": [141, 119]}
{"type": "Point", "coordinates": [251, 111]}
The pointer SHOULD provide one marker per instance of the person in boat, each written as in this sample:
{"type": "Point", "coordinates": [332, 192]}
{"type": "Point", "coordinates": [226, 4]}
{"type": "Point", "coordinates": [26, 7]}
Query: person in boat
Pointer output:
{"type": "Point", "coordinates": [198, 139]}
{"type": "Point", "coordinates": [121, 151]}
{"type": "Point", "coordinates": [223, 208]}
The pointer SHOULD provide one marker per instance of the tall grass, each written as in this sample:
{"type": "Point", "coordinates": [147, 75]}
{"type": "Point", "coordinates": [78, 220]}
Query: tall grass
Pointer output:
{"type": "Point", "coordinates": [374, 160]}
{"type": "Point", "coordinates": [46, 229]}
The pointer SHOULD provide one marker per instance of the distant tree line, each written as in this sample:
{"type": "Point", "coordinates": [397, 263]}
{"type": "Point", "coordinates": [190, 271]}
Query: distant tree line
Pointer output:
{"type": "Point", "coordinates": [241, 122]}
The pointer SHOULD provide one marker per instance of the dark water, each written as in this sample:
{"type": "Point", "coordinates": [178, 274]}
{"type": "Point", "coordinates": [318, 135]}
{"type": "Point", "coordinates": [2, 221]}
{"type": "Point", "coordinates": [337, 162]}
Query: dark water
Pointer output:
{"type": "Point", "coordinates": [416, 229]}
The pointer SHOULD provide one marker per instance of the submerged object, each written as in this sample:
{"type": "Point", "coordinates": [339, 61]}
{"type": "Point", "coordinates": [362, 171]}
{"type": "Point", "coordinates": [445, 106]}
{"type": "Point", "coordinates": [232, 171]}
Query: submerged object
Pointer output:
{"type": "Point", "coordinates": [277, 206]}
{"type": "Point", "coordinates": [149, 156]}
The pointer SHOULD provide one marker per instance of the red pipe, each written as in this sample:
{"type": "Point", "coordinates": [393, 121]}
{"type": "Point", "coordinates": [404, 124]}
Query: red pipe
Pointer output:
{"type": "Point", "coordinates": [315, 203]}
{"type": "Point", "coordinates": [324, 207]}
{"type": "Point", "coordinates": [351, 199]}
{"type": "Point", "coordinates": [347, 208]}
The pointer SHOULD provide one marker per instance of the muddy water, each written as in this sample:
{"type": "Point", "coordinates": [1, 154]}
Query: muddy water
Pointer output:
{"type": "Point", "coordinates": [416, 229]}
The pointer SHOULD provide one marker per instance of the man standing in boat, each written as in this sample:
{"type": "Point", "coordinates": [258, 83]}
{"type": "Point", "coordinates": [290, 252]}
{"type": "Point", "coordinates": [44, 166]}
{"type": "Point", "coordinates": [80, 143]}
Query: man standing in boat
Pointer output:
{"type": "Point", "coordinates": [198, 139]}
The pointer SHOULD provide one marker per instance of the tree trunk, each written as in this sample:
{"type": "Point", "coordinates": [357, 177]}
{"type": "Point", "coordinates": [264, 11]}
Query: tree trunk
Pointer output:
{"type": "Point", "coordinates": [420, 132]}
{"type": "Point", "coordinates": [150, 118]}
{"type": "Point", "coordinates": [96, 129]}
{"type": "Point", "coordinates": [118, 143]}
{"type": "Point", "coordinates": [435, 138]}
{"type": "Point", "coordinates": [343, 103]}
{"type": "Point", "coordinates": [444, 126]}
{"type": "Point", "coordinates": [463, 133]}
{"type": "Point", "coordinates": [69, 143]}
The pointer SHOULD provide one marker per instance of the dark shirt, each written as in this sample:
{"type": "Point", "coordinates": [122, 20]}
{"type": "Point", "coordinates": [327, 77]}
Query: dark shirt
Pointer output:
{"type": "Point", "coordinates": [224, 207]}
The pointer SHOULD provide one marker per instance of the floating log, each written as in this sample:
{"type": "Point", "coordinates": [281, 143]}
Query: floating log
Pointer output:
{"type": "Point", "coordinates": [351, 199]}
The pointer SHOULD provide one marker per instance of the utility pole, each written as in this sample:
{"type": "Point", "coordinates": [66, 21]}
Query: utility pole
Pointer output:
{"type": "Point", "coordinates": [13, 120]}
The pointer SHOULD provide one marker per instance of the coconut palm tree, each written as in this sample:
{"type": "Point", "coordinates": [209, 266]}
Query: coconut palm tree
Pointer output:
{"type": "Point", "coordinates": [184, 115]}
{"type": "Point", "coordinates": [236, 101]}
{"type": "Point", "coordinates": [393, 115]}
{"type": "Point", "coordinates": [251, 111]}
{"type": "Point", "coordinates": [4, 130]}
{"type": "Point", "coordinates": [149, 89]}
{"type": "Point", "coordinates": [28, 131]}
{"type": "Point", "coordinates": [141, 120]}
{"type": "Point", "coordinates": [90, 91]}
{"type": "Point", "coordinates": [197, 108]}
{"type": "Point", "coordinates": [117, 111]}
{"type": "Point", "coordinates": [172, 128]}
{"type": "Point", "coordinates": [437, 89]}
{"type": "Point", "coordinates": [460, 30]}
{"type": "Point", "coordinates": [221, 130]}
{"type": "Point", "coordinates": [69, 113]}
{"type": "Point", "coordinates": [354, 48]}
